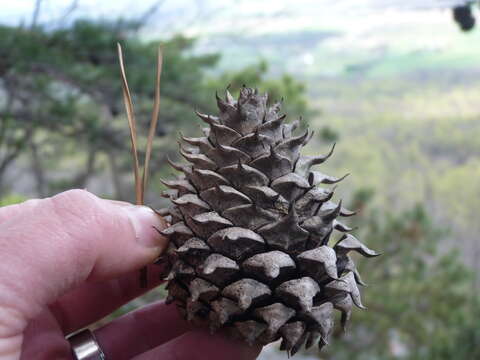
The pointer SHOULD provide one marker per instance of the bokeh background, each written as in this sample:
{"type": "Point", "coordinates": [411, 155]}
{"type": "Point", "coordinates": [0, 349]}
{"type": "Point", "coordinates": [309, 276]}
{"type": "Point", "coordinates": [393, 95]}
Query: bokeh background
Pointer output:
{"type": "Point", "coordinates": [395, 83]}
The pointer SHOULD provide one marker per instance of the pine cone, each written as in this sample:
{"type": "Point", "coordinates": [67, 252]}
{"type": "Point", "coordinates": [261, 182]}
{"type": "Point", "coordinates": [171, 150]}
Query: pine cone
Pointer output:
{"type": "Point", "coordinates": [250, 229]}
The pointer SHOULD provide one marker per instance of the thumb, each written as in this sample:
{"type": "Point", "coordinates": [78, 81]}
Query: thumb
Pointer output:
{"type": "Point", "coordinates": [52, 245]}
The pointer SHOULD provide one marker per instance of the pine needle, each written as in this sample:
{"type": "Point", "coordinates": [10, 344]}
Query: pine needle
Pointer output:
{"type": "Point", "coordinates": [153, 122]}
{"type": "Point", "coordinates": [141, 184]}
{"type": "Point", "coordinates": [133, 128]}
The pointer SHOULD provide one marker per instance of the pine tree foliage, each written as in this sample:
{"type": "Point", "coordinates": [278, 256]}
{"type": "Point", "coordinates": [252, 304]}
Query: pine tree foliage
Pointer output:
{"type": "Point", "coordinates": [422, 295]}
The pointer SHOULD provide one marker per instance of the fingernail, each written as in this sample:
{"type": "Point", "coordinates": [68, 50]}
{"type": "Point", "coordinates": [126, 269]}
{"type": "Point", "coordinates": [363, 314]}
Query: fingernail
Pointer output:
{"type": "Point", "coordinates": [147, 225]}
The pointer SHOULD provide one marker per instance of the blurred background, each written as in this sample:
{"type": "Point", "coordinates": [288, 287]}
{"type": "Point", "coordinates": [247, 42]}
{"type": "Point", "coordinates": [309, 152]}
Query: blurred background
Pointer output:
{"type": "Point", "coordinates": [395, 83]}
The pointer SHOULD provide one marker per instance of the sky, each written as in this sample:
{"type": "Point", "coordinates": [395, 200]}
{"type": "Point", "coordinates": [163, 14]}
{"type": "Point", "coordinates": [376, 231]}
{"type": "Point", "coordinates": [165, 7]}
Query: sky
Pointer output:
{"type": "Point", "coordinates": [368, 26]}
{"type": "Point", "coordinates": [185, 12]}
{"type": "Point", "coordinates": [354, 18]}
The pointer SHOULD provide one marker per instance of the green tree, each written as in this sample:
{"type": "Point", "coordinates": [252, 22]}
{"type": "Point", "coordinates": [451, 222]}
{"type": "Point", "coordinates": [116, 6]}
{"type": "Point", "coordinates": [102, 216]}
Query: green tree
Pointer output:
{"type": "Point", "coordinates": [64, 108]}
{"type": "Point", "coordinates": [420, 299]}
{"type": "Point", "coordinates": [65, 83]}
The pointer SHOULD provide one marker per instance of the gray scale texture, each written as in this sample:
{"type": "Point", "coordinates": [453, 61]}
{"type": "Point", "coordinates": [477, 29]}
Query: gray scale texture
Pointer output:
{"type": "Point", "coordinates": [250, 228]}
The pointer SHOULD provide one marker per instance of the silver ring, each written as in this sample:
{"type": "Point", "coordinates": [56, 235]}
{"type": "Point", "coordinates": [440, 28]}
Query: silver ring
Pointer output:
{"type": "Point", "coordinates": [85, 346]}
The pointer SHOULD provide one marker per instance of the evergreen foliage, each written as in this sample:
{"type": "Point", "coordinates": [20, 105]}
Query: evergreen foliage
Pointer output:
{"type": "Point", "coordinates": [63, 102]}
{"type": "Point", "coordinates": [420, 293]}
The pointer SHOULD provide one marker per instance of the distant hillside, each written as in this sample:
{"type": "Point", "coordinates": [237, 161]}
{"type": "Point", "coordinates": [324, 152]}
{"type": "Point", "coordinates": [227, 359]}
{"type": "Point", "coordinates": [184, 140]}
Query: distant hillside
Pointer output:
{"type": "Point", "coordinates": [412, 138]}
{"type": "Point", "coordinates": [312, 38]}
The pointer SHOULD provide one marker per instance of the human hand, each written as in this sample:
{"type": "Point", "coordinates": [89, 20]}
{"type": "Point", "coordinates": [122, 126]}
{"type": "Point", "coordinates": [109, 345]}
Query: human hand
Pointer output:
{"type": "Point", "coordinates": [69, 260]}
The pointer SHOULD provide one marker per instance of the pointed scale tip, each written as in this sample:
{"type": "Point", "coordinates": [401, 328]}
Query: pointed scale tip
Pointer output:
{"type": "Point", "coordinates": [174, 165]}
{"type": "Point", "coordinates": [340, 178]}
{"type": "Point", "coordinates": [165, 182]}
{"type": "Point", "coordinates": [301, 138]}
{"type": "Point", "coordinates": [228, 96]}
{"type": "Point", "coordinates": [180, 145]}
{"type": "Point", "coordinates": [333, 214]}
{"type": "Point", "coordinates": [205, 118]}
{"type": "Point", "coordinates": [347, 213]}
{"type": "Point", "coordinates": [188, 140]}
{"type": "Point", "coordinates": [309, 137]}
{"type": "Point", "coordinates": [222, 104]}
{"type": "Point", "coordinates": [160, 212]}
{"type": "Point", "coordinates": [358, 279]}
{"type": "Point", "coordinates": [330, 153]}
{"type": "Point", "coordinates": [315, 177]}
{"type": "Point", "coordinates": [295, 124]}
{"type": "Point", "coordinates": [332, 149]}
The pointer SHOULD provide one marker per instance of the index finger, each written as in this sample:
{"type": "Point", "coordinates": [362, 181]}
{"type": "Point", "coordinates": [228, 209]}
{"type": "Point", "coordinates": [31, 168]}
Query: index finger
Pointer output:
{"type": "Point", "coordinates": [94, 300]}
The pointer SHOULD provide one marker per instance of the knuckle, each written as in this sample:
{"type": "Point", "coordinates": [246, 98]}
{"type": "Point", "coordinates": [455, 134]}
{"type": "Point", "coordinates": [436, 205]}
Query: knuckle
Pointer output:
{"type": "Point", "coordinates": [77, 208]}
{"type": "Point", "coordinates": [31, 203]}
{"type": "Point", "coordinates": [75, 195]}
{"type": "Point", "coordinates": [78, 212]}
{"type": "Point", "coordinates": [74, 202]}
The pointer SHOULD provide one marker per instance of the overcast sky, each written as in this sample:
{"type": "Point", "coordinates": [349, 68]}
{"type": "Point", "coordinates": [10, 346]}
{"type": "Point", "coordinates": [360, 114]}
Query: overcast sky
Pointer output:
{"type": "Point", "coordinates": [183, 10]}
{"type": "Point", "coordinates": [367, 24]}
